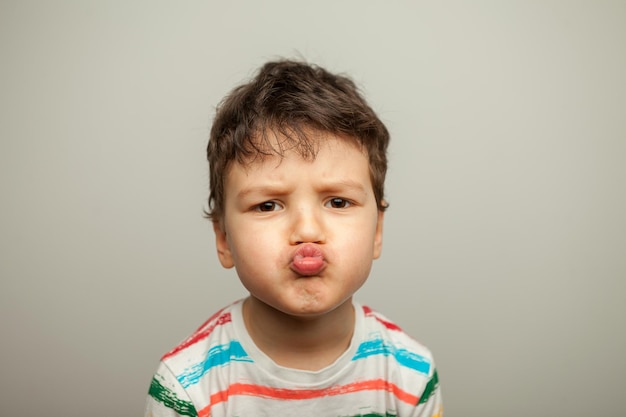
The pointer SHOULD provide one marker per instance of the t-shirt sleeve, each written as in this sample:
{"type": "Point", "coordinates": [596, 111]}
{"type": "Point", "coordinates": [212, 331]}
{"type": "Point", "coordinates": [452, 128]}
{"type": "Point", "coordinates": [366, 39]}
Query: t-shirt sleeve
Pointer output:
{"type": "Point", "coordinates": [429, 404]}
{"type": "Point", "coordinates": [166, 397]}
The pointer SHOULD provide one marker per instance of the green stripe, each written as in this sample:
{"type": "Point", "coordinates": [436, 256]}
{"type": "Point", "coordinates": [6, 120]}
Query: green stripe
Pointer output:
{"type": "Point", "coordinates": [170, 400]}
{"type": "Point", "coordinates": [430, 388]}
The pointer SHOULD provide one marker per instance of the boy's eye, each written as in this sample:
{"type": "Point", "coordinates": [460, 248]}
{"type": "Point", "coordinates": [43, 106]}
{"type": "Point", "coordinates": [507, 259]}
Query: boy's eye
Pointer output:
{"type": "Point", "coordinates": [337, 202]}
{"type": "Point", "coordinates": [268, 206]}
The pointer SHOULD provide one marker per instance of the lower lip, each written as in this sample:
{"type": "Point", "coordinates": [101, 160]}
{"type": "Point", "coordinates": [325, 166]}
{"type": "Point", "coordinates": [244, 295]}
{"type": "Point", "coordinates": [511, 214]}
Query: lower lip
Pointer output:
{"type": "Point", "coordinates": [308, 266]}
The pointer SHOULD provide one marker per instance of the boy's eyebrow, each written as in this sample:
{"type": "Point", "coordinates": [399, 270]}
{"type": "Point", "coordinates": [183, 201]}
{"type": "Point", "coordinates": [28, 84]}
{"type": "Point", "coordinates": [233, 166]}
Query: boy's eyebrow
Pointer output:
{"type": "Point", "coordinates": [343, 184]}
{"type": "Point", "coordinates": [279, 189]}
{"type": "Point", "coordinates": [262, 189]}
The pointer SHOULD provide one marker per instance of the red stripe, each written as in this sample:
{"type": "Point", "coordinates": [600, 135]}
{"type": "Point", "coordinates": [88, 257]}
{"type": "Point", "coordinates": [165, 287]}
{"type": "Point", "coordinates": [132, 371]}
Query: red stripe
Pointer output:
{"type": "Point", "coordinates": [201, 333]}
{"type": "Point", "coordinates": [391, 326]}
{"type": "Point", "coordinates": [304, 394]}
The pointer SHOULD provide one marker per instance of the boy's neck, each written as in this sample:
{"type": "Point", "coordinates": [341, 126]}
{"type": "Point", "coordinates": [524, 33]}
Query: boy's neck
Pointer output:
{"type": "Point", "coordinates": [296, 342]}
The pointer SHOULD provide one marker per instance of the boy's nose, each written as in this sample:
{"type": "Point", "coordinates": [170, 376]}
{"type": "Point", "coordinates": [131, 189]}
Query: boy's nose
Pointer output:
{"type": "Point", "coordinates": [307, 227]}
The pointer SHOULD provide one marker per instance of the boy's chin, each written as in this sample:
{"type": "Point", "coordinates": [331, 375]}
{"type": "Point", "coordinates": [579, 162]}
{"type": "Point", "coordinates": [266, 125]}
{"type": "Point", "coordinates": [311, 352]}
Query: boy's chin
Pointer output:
{"type": "Point", "coordinates": [308, 309]}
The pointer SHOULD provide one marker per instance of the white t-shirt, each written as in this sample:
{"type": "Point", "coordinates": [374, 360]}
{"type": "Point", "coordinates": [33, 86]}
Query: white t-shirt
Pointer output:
{"type": "Point", "coordinates": [218, 371]}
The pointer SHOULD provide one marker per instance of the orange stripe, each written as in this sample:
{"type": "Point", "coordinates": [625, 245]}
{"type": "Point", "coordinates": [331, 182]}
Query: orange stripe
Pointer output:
{"type": "Point", "coordinates": [305, 394]}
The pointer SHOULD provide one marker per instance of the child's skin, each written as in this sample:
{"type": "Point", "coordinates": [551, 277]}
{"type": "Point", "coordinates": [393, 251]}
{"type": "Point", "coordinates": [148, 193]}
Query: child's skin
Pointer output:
{"type": "Point", "coordinates": [302, 235]}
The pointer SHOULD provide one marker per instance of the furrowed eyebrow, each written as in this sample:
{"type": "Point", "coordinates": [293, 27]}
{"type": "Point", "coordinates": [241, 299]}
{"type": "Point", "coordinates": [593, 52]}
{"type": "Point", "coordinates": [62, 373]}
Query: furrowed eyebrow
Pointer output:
{"type": "Point", "coordinates": [332, 186]}
{"type": "Point", "coordinates": [347, 184]}
{"type": "Point", "coordinates": [262, 190]}
{"type": "Point", "coordinates": [344, 185]}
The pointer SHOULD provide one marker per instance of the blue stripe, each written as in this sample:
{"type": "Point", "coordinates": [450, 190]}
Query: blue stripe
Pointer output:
{"type": "Point", "coordinates": [220, 355]}
{"type": "Point", "coordinates": [403, 357]}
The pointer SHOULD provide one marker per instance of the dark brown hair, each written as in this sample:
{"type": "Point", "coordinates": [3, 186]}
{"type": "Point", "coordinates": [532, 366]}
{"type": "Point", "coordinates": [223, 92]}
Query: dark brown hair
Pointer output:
{"type": "Point", "coordinates": [293, 100]}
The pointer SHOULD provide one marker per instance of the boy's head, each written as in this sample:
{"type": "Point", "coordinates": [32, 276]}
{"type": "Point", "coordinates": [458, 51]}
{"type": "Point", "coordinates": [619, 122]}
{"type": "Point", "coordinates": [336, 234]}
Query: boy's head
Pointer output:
{"type": "Point", "coordinates": [296, 102]}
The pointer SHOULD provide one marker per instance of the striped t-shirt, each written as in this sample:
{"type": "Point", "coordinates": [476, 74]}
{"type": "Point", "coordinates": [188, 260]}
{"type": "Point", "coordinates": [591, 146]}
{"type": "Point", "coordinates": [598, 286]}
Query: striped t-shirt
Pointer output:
{"type": "Point", "coordinates": [218, 371]}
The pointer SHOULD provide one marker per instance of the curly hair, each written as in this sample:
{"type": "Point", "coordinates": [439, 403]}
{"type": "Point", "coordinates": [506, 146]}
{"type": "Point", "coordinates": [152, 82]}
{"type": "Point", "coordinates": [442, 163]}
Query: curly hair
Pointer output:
{"type": "Point", "coordinates": [292, 100]}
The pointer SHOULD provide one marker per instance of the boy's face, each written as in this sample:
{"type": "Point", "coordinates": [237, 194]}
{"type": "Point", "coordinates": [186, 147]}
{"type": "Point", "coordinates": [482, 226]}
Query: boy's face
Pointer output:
{"type": "Point", "coordinates": [301, 234]}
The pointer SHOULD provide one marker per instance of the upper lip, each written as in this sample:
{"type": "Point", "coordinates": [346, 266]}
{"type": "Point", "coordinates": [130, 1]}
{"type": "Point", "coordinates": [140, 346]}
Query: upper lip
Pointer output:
{"type": "Point", "coordinates": [308, 260]}
{"type": "Point", "coordinates": [308, 250]}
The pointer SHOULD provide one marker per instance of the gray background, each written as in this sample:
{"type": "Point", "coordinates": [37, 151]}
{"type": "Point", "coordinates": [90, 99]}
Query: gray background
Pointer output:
{"type": "Point", "coordinates": [505, 242]}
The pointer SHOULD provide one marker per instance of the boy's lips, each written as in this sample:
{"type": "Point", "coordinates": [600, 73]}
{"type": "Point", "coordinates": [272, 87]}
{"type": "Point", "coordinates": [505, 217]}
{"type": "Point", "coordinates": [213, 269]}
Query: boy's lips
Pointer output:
{"type": "Point", "coordinates": [308, 260]}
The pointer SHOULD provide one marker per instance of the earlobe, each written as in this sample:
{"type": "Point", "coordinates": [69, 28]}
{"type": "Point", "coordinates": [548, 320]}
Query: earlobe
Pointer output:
{"type": "Point", "coordinates": [223, 248]}
{"type": "Point", "coordinates": [378, 238]}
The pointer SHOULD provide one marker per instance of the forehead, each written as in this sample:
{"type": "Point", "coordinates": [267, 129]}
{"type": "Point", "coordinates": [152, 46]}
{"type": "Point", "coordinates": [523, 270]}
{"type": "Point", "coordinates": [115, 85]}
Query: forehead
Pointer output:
{"type": "Point", "coordinates": [334, 159]}
{"type": "Point", "coordinates": [272, 146]}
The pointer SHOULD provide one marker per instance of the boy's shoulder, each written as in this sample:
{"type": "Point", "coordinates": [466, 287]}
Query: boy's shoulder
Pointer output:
{"type": "Point", "coordinates": [214, 335]}
{"type": "Point", "coordinates": [383, 336]}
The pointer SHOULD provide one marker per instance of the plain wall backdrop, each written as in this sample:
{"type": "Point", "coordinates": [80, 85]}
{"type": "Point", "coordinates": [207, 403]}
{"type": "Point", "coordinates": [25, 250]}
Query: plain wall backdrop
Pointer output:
{"type": "Point", "coordinates": [505, 242]}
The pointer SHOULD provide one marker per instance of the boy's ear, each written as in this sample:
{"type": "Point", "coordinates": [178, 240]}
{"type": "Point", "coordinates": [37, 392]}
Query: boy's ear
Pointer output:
{"type": "Point", "coordinates": [378, 238]}
{"type": "Point", "coordinates": [223, 248]}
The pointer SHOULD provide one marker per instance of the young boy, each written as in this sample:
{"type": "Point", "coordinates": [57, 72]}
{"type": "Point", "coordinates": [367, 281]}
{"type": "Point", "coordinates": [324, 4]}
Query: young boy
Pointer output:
{"type": "Point", "coordinates": [297, 167]}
